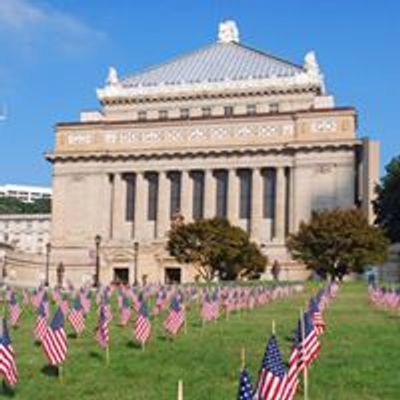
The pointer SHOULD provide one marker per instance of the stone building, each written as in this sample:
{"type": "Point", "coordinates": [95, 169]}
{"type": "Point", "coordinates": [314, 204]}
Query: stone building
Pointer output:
{"type": "Point", "coordinates": [27, 233]}
{"type": "Point", "coordinates": [226, 130]}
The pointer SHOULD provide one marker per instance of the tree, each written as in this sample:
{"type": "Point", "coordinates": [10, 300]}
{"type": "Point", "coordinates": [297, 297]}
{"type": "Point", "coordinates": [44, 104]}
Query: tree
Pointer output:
{"type": "Point", "coordinates": [387, 203]}
{"type": "Point", "coordinates": [338, 241]}
{"type": "Point", "coordinates": [12, 205]}
{"type": "Point", "coordinates": [214, 245]}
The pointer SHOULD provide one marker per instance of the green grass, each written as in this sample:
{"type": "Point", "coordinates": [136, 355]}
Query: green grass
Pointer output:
{"type": "Point", "coordinates": [360, 357]}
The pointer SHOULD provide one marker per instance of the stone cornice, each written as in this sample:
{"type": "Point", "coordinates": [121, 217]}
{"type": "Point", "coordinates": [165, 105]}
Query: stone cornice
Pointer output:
{"type": "Point", "coordinates": [286, 149]}
{"type": "Point", "coordinates": [117, 92]}
{"type": "Point", "coordinates": [215, 118]}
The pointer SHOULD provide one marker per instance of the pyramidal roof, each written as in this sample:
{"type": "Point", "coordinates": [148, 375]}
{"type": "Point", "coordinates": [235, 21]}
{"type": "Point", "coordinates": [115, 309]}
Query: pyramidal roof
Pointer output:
{"type": "Point", "coordinates": [221, 65]}
{"type": "Point", "coordinates": [215, 63]}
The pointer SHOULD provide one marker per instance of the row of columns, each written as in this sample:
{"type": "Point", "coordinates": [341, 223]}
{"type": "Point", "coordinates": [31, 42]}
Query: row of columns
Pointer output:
{"type": "Point", "coordinates": [118, 206]}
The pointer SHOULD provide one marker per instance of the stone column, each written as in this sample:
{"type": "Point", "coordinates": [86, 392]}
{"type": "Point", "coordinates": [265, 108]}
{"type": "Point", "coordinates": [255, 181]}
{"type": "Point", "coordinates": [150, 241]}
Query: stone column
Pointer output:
{"type": "Point", "coordinates": [210, 195]}
{"type": "Point", "coordinates": [187, 196]}
{"type": "Point", "coordinates": [119, 207]}
{"type": "Point", "coordinates": [256, 205]}
{"type": "Point", "coordinates": [233, 197]}
{"type": "Point", "coordinates": [280, 205]}
{"type": "Point", "coordinates": [163, 206]}
{"type": "Point", "coordinates": [141, 206]}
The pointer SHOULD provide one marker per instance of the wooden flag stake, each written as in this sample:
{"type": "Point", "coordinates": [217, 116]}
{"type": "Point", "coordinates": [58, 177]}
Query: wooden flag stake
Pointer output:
{"type": "Point", "coordinates": [60, 373]}
{"type": "Point", "coordinates": [243, 358]}
{"type": "Point", "coordinates": [108, 355]}
{"type": "Point", "coordinates": [273, 327]}
{"type": "Point", "coordinates": [180, 390]}
{"type": "Point", "coordinates": [143, 346]}
{"type": "Point", "coordinates": [305, 370]}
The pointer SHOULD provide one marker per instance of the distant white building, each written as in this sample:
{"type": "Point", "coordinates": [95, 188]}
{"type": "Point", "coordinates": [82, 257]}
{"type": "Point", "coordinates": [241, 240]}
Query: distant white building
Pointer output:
{"type": "Point", "coordinates": [24, 193]}
{"type": "Point", "coordinates": [26, 233]}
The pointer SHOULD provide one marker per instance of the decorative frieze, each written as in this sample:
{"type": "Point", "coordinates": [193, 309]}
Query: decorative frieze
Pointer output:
{"type": "Point", "coordinates": [175, 135]}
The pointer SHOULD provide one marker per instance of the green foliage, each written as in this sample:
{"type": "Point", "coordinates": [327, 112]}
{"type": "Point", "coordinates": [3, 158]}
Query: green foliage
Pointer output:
{"type": "Point", "coordinates": [213, 245]}
{"type": "Point", "coordinates": [387, 203]}
{"type": "Point", "coordinates": [11, 205]}
{"type": "Point", "coordinates": [338, 241]}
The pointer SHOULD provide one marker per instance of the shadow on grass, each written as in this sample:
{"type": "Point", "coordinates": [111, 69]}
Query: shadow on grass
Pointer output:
{"type": "Point", "coordinates": [7, 391]}
{"type": "Point", "coordinates": [72, 336]}
{"type": "Point", "coordinates": [134, 345]}
{"type": "Point", "coordinates": [96, 355]}
{"type": "Point", "coordinates": [50, 370]}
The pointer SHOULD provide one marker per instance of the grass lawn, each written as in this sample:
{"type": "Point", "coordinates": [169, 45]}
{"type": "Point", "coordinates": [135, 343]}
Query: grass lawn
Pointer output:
{"type": "Point", "coordinates": [360, 356]}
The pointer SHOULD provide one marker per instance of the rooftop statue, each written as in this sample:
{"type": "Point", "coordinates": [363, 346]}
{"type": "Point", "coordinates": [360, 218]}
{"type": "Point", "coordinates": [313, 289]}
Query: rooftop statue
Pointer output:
{"type": "Point", "coordinates": [228, 32]}
{"type": "Point", "coordinates": [311, 64]}
{"type": "Point", "coordinates": [112, 77]}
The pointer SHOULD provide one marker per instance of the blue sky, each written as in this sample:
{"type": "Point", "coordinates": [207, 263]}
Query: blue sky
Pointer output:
{"type": "Point", "coordinates": [55, 53]}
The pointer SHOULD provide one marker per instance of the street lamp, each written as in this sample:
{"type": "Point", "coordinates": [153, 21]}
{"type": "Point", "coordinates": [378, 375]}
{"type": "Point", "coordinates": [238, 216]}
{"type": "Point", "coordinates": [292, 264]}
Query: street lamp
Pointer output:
{"type": "Point", "coordinates": [136, 254]}
{"type": "Point", "coordinates": [48, 250]}
{"type": "Point", "coordinates": [97, 241]}
{"type": "Point", "coordinates": [60, 274]}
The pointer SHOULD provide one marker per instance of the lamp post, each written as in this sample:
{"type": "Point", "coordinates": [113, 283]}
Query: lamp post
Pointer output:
{"type": "Point", "coordinates": [136, 254]}
{"type": "Point", "coordinates": [48, 250]}
{"type": "Point", "coordinates": [60, 274]}
{"type": "Point", "coordinates": [97, 241]}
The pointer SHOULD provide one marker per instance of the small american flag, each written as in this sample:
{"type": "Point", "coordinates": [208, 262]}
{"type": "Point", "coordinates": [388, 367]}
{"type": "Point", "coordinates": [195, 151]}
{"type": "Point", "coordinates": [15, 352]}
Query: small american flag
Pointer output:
{"type": "Point", "coordinates": [272, 379]}
{"type": "Point", "coordinates": [41, 323]}
{"type": "Point", "coordinates": [15, 310]}
{"type": "Point", "coordinates": [126, 311]}
{"type": "Point", "coordinates": [55, 343]}
{"type": "Point", "coordinates": [8, 367]}
{"type": "Point", "coordinates": [175, 318]}
{"type": "Point", "coordinates": [142, 324]}
{"type": "Point", "coordinates": [309, 345]}
{"type": "Point", "coordinates": [316, 317]}
{"type": "Point", "coordinates": [76, 316]}
{"type": "Point", "coordinates": [102, 332]}
{"type": "Point", "coordinates": [245, 387]}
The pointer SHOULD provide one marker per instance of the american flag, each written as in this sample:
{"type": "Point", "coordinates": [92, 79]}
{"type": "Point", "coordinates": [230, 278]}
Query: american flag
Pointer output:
{"type": "Point", "coordinates": [102, 332]}
{"type": "Point", "coordinates": [160, 302]}
{"type": "Point", "coordinates": [272, 378]}
{"type": "Point", "coordinates": [76, 316]}
{"type": "Point", "coordinates": [208, 308]}
{"type": "Point", "coordinates": [126, 311]}
{"type": "Point", "coordinates": [8, 367]}
{"type": "Point", "coordinates": [15, 310]}
{"type": "Point", "coordinates": [245, 391]}
{"type": "Point", "coordinates": [41, 323]}
{"type": "Point", "coordinates": [309, 344]}
{"type": "Point", "coordinates": [142, 324]}
{"type": "Point", "coordinates": [63, 304]}
{"type": "Point", "coordinates": [55, 343]}
{"type": "Point", "coordinates": [292, 380]}
{"type": "Point", "coordinates": [316, 317]}
{"type": "Point", "coordinates": [85, 300]}
{"type": "Point", "coordinates": [175, 318]}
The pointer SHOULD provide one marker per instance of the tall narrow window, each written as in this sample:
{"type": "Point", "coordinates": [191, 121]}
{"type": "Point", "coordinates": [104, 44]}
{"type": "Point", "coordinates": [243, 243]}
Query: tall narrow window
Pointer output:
{"type": "Point", "coordinates": [222, 193]}
{"type": "Point", "coordinates": [142, 115]}
{"type": "Point", "coordinates": [245, 193]}
{"type": "Point", "coordinates": [251, 109]}
{"type": "Point", "coordinates": [269, 176]}
{"type": "Point", "coordinates": [274, 108]}
{"type": "Point", "coordinates": [152, 179]}
{"type": "Point", "coordinates": [130, 180]}
{"type": "Point", "coordinates": [228, 111]}
{"type": "Point", "coordinates": [198, 194]}
{"type": "Point", "coordinates": [175, 178]}
{"type": "Point", "coordinates": [185, 113]}
{"type": "Point", "coordinates": [206, 112]}
{"type": "Point", "coordinates": [163, 115]}
{"type": "Point", "coordinates": [287, 200]}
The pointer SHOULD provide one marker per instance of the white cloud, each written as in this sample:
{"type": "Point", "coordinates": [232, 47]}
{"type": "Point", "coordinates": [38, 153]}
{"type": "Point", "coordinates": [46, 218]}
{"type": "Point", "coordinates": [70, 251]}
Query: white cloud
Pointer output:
{"type": "Point", "coordinates": [27, 21]}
